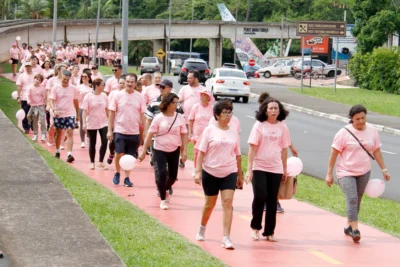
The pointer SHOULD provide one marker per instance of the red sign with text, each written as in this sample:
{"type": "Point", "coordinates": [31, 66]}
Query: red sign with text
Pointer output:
{"type": "Point", "coordinates": [317, 44]}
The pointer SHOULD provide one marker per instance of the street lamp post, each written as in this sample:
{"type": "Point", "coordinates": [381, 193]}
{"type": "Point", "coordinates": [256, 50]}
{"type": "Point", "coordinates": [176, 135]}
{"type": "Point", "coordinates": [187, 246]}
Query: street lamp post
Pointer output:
{"type": "Point", "coordinates": [89, 47]}
{"type": "Point", "coordinates": [191, 40]}
{"type": "Point", "coordinates": [125, 8]}
{"type": "Point", "coordinates": [97, 34]}
{"type": "Point", "coordinates": [53, 48]}
{"type": "Point", "coordinates": [169, 37]}
{"type": "Point", "coordinates": [234, 44]}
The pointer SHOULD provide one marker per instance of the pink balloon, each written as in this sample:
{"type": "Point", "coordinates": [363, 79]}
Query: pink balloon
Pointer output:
{"type": "Point", "coordinates": [127, 162]}
{"type": "Point", "coordinates": [375, 188]}
{"type": "Point", "coordinates": [20, 114]}
{"type": "Point", "coordinates": [294, 166]}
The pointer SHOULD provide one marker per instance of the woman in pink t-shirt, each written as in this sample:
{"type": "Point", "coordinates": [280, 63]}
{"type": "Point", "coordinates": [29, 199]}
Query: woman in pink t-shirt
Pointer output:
{"type": "Point", "coordinates": [266, 164]}
{"type": "Point", "coordinates": [170, 133]}
{"type": "Point", "coordinates": [353, 167]}
{"type": "Point", "coordinates": [199, 117]}
{"type": "Point", "coordinates": [94, 117]}
{"type": "Point", "coordinates": [218, 168]}
{"type": "Point", "coordinates": [36, 95]}
{"type": "Point", "coordinates": [84, 88]}
{"type": "Point", "coordinates": [15, 55]}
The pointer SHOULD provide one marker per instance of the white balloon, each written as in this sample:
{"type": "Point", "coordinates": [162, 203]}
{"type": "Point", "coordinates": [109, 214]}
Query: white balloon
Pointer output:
{"type": "Point", "coordinates": [20, 114]}
{"type": "Point", "coordinates": [14, 95]}
{"type": "Point", "coordinates": [127, 162]}
{"type": "Point", "coordinates": [10, 61]}
{"type": "Point", "coordinates": [375, 188]}
{"type": "Point", "coordinates": [18, 38]}
{"type": "Point", "coordinates": [294, 166]}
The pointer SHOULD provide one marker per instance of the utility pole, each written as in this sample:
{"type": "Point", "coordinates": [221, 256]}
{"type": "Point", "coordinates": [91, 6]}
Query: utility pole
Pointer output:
{"type": "Point", "coordinates": [302, 63]}
{"type": "Point", "coordinates": [190, 53]}
{"type": "Point", "coordinates": [234, 45]}
{"type": "Point", "coordinates": [281, 50]}
{"type": "Point", "coordinates": [125, 8]}
{"type": "Point", "coordinates": [97, 34]}
{"type": "Point", "coordinates": [53, 48]}
{"type": "Point", "coordinates": [169, 38]}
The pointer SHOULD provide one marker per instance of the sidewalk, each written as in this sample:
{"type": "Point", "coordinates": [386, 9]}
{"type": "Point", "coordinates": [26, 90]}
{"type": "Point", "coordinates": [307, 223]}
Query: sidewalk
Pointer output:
{"type": "Point", "coordinates": [308, 236]}
{"type": "Point", "coordinates": [40, 222]}
{"type": "Point", "coordinates": [305, 103]}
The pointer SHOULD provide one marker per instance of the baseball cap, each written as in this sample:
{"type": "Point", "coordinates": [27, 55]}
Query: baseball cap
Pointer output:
{"type": "Point", "coordinates": [166, 82]}
{"type": "Point", "coordinates": [28, 64]}
{"type": "Point", "coordinates": [205, 91]}
{"type": "Point", "coordinates": [14, 44]}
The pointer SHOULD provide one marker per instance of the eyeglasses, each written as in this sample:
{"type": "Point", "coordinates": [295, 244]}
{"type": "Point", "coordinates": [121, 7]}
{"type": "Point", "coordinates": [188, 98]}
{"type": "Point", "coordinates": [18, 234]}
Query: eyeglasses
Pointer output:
{"type": "Point", "coordinates": [227, 113]}
{"type": "Point", "coordinates": [84, 76]}
{"type": "Point", "coordinates": [114, 70]}
{"type": "Point", "coordinates": [175, 102]}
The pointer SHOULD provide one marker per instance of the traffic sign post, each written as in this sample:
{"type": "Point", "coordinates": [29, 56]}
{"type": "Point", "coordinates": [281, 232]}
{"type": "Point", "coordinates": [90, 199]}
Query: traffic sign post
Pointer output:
{"type": "Point", "coordinates": [160, 54]}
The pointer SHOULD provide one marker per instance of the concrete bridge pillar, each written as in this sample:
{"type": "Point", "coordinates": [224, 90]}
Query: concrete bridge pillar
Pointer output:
{"type": "Point", "coordinates": [157, 44]}
{"type": "Point", "coordinates": [215, 53]}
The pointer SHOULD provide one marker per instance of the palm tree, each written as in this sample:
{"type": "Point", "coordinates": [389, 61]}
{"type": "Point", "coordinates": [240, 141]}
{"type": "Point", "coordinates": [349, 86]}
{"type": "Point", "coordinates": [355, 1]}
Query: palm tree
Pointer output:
{"type": "Point", "coordinates": [33, 9]}
{"type": "Point", "coordinates": [139, 49]}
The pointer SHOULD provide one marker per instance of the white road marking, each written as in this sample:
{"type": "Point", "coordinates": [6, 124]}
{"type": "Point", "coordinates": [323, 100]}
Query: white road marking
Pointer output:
{"type": "Point", "coordinates": [251, 117]}
{"type": "Point", "coordinates": [388, 152]}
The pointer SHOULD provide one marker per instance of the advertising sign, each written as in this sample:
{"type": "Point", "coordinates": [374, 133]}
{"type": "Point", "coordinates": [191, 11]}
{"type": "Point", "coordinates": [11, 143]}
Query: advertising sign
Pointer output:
{"type": "Point", "coordinates": [318, 45]}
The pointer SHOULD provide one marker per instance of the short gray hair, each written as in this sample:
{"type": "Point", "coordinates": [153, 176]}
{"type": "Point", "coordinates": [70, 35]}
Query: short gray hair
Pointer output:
{"type": "Point", "coordinates": [66, 73]}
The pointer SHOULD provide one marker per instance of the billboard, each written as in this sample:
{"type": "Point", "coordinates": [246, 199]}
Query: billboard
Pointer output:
{"type": "Point", "coordinates": [316, 44]}
{"type": "Point", "coordinates": [345, 42]}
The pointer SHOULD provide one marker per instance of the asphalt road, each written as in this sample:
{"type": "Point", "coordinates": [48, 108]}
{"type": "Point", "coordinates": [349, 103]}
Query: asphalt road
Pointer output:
{"type": "Point", "coordinates": [312, 136]}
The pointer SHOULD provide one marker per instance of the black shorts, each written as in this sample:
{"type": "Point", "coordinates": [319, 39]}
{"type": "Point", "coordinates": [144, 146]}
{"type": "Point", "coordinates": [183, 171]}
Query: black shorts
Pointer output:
{"type": "Point", "coordinates": [14, 61]}
{"type": "Point", "coordinates": [212, 185]}
{"type": "Point", "coordinates": [64, 123]}
{"type": "Point", "coordinates": [126, 144]}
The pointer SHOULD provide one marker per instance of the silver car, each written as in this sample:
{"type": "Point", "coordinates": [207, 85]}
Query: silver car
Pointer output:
{"type": "Point", "coordinates": [150, 64]}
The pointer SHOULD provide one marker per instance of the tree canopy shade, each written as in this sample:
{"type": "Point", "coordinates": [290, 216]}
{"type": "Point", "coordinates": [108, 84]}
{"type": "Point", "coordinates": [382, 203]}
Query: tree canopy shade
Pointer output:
{"type": "Point", "coordinates": [33, 9]}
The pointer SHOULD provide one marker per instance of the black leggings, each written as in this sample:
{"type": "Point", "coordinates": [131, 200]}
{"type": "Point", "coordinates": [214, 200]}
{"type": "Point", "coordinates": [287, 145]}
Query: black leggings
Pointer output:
{"type": "Point", "coordinates": [265, 189]}
{"type": "Point", "coordinates": [92, 145]}
{"type": "Point", "coordinates": [166, 166]}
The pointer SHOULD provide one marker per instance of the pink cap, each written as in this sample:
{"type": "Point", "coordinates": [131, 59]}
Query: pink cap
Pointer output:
{"type": "Point", "coordinates": [205, 91]}
{"type": "Point", "coordinates": [14, 44]}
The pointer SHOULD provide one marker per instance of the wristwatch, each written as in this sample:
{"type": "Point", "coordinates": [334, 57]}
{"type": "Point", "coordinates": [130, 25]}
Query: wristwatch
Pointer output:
{"type": "Point", "coordinates": [384, 170]}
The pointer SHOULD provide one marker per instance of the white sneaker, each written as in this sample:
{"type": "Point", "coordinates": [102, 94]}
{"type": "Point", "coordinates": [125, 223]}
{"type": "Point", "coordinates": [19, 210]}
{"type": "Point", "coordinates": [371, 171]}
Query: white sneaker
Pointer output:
{"type": "Point", "coordinates": [255, 234]}
{"type": "Point", "coordinates": [49, 144]}
{"type": "Point", "coordinates": [227, 243]}
{"type": "Point", "coordinates": [167, 197]}
{"type": "Point", "coordinates": [102, 166]}
{"type": "Point", "coordinates": [61, 147]}
{"type": "Point", "coordinates": [91, 166]}
{"type": "Point", "coordinates": [43, 139]}
{"type": "Point", "coordinates": [83, 145]}
{"type": "Point", "coordinates": [201, 234]}
{"type": "Point", "coordinates": [35, 137]}
{"type": "Point", "coordinates": [163, 205]}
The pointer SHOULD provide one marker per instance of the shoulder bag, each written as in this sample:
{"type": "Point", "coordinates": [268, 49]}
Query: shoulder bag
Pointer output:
{"type": "Point", "coordinates": [369, 154]}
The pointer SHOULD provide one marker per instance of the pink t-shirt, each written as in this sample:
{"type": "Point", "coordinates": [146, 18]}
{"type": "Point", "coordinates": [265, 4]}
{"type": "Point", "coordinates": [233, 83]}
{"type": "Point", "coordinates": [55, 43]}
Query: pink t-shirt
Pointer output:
{"type": "Point", "coordinates": [221, 148]}
{"type": "Point", "coordinates": [14, 52]}
{"type": "Point", "coordinates": [189, 96]}
{"type": "Point", "coordinates": [52, 81]}
{"type": "Point", "coordinates": [83, 90]}
{"type": "Point", "coordinates": [98, 76]}
{"type": "Point", "coordinates": [111, 85]}
{"type": "Point", "coordinates": [150, 93]}
{"type": "Point", "coordinates": [60, 54]}
{"type": "Point", "coordinates": [234, 123]}
{"type": "Point", "coordinates": [96, 106]}
{"type": "Point", "coordinates": [164, 140]}
{"type": "Point", "coordinates": [25, 80]}
{"type": "Point", "coordinates": [353, 160]}
{"type": "Point", "coordinates": [201, 116]}
{"type": "Point", "coordinates": [64, 100]}
{"type": "Point", "coordinates": [128, 108]}
{"type": "Point", "coordinates": [270, 140]}
{"type": "Point", "coordinates": [36, 95]}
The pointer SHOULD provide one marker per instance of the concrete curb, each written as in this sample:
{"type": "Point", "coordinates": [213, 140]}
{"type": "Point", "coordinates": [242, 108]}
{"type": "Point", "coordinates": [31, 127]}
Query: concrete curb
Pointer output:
{"type": "Point", "coordinates": [380, 128]}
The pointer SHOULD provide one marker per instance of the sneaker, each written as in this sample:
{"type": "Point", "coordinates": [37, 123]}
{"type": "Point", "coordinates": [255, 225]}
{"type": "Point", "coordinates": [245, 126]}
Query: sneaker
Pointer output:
{"type": "Point", "coordinates": [163, 205]}
{"type": "Point", "coordinates": [49, 144]}
{"type": "Point", "coordinates": [279, 208]}
{"type": "Point", "coordinates": [181, 164]}
{"type": "Point", "coordinates": [170, 191]}
{"type": "Point", "coordinates": [43, 139]}
{"type": "Point", "coordinates": [70, 159]}
{"type": "Point", "coordinates": [255, 234]}
{"type": "Point", "coordinates": [116, 178]}
{"type": "Point", "coordinates": [91, 166]}
{"type": "Point", "coordinates": [356, 235]}
{"type": "Point", "coordinates": [167, 197]}
{"type": "Point", "coordinates": [76, 126]}
{"type": "Point", "coordinates": [83, 145]}
{"type": "Point", "coordinates": [201, 233]}
{"type": "Point", "coordinates": [35, 137]}
{"type": "Point", "coordinates": [57, 155]}
{"type": "Point", "coordinates": [127, 182]}
{"type": "Point", "coordinates": [61, 147]}
{"type": "Point", "coordinates": [348, 230]}
{"type": "Point", "coordinates": [101, 166]}
{"type": "Point", "coordinates": [227, 243]}
{"type": "Point", "coordinates": [110, 159]}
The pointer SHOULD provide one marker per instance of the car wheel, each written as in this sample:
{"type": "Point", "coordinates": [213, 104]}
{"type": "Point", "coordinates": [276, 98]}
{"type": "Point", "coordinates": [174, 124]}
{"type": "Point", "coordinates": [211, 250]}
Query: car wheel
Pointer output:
{"type": "Point", "coordinates": [180, 80]}
{"type": "Point", "coordinates": [331, 73]}
{"type": "Point", "coordinates": [237, 98]}
{"type": "Point", "coordinates": [267, 74]}
{"type": "Point", "coordinates": [245, 99]}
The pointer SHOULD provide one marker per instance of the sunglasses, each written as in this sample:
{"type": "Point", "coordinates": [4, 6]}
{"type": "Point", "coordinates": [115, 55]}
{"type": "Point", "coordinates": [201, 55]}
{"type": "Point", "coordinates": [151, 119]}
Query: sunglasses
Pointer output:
{"type": "Point", "coordinates": [162, 87]}
{"type": "Point", "coordinates": [114, 70]}
{"type": "Point", "coordinates": [84, 76]}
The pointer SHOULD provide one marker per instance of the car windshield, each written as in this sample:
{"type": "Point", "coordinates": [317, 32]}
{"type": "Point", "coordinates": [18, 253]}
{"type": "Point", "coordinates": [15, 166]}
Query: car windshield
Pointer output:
{"type": "Point", "coordinates": [196, 65]}
{"type": "Point", "coordinates": [231, 73]}
{"type": "Point", "coordinates": [149, 60]}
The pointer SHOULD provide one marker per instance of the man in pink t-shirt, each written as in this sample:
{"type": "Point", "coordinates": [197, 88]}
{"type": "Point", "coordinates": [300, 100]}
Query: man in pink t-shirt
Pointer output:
{"type": "Point", "coordinates": [112, 83]}
{"type": "Point", "coordinates": [126, 116]}
{"type": "Point", "coordinates": [24, 81]}
{"type": "Point", "coordinates": [65, 106]}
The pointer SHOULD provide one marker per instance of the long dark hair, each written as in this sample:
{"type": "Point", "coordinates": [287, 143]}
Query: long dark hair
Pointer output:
{"type": "Point", "coordinates": [261, 113]}
{"type": "Point", "coordinates": [166, 101]}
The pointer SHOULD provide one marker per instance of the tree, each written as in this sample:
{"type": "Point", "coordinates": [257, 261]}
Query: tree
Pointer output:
{"type": "Point", "coordinates": [33, 9]}
{"type": "Point", "coordinates": [139, 49]}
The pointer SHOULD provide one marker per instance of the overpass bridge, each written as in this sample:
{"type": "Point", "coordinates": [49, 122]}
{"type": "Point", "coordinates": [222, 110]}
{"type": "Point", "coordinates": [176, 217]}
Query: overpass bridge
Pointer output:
{"type": "Point", "coordinates": [110, 30]}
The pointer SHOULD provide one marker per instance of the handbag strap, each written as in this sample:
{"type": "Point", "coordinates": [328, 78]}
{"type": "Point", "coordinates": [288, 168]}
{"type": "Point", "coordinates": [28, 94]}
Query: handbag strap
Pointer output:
{"type": "Point", "coordinates": [171, 125]}
{"type": "Point", "coordinates": [369, 154]}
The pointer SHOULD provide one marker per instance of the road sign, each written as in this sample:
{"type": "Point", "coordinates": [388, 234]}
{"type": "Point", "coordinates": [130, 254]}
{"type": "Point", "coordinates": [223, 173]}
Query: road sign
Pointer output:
{"type": "Point", "coordinates": [160, 53]}
{"type": "Point", "coordinates": [252, 62]}
{"type": "Point", "coordinates": [321, 28]}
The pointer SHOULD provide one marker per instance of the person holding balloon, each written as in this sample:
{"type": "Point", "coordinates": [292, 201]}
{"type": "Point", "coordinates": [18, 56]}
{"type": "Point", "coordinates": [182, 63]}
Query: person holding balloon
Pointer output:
{"type": "Point", "coordinates": [15, 55]}
{"type": "Point", "coordinates": [23, 82]}
{"type": "Point", "coordinates": [36, 96]}
{"type": "Point", "coordinates": [354, 146]}
{"type": "Point", "coordinates": [170, 133]}
{"type": "Point", "coordinates": [267, 159]}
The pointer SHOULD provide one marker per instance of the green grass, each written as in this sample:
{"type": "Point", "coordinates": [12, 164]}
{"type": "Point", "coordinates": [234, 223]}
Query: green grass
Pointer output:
{"type": "Point", "coordinates": [376, 101]}
{"type": "Point", "coordinates": [108, 70]}
{"type": "Point", "coordinates": [139, 239]}
{"type": "Point", "coordinates": [5, 67]}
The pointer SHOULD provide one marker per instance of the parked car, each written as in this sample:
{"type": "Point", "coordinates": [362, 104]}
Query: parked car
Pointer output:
{"type": "Point", "coordinates": [150, 64]}
{"type": "Point", "coordinates": [280, 68]}
{"type": "Point", "coordinates": [230, 65]}
{"type": "Point", "coordinates": [229, 82]}
{"type": "Point", "coordinates": [250, 70]}
{"type": "Point", "coordinates": [317, 65]}
{"type": "Point", "coordinates": [194, 64]}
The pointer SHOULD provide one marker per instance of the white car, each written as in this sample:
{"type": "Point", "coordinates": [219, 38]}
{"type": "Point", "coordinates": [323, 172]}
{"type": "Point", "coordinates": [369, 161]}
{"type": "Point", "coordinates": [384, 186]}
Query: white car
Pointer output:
{"type": "Point", "coordinates": [229, 82]}
{"type": "Point", "coordinates": [280, 68]}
